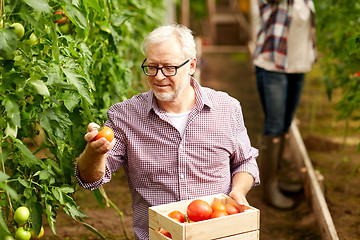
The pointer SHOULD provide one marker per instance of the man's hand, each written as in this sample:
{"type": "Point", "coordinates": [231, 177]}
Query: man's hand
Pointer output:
{"type": "Point", "coordinates": [91, 162]}
{"type": "Point", "coordinates": [242, 182]}
{"type": "Point", "coordinates": [100, 146]}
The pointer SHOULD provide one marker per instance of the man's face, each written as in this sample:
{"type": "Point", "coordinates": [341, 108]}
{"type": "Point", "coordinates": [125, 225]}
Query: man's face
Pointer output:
{"type": "Point", "coordinates": [169, 53]}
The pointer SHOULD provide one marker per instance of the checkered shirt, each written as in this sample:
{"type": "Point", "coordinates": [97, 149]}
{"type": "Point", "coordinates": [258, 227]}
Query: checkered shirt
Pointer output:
{"type": "Point", "coordinates": [161, 166]}
{"type": "Point", "coordinates": [272, 36]}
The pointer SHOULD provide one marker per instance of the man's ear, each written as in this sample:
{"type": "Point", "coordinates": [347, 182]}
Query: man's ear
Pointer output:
{"type": "Point", "coordinates": [192, 66]}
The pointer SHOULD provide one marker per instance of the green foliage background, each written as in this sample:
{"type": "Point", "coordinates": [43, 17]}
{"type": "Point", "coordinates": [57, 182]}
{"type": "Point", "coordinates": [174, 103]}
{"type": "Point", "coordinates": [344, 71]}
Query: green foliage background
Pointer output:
{"type": "Point", "coordinates": [338, 40]}
{"type": "Point", "coordinates": [70, 76]}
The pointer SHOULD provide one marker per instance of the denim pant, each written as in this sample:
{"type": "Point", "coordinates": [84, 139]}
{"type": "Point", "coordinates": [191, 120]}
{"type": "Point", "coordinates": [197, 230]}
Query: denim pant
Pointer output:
{"type": "Point", "coordinates": [280, 95]}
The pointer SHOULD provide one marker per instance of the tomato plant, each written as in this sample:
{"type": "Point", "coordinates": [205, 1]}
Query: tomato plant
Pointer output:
{"type": "Point", "coordinates": [52, 85]}
{"type": "Point", "coordinates": [231, 209]}
{"type": "Point", "coordinates": [105, 132]}
{"type": "Point", "coordinates": [177, 215]}
{"type": "Point", "coordinates": [198, 210]}
{"type": "Point", "coordinates": [338, 41]}
{"type": "Point", "coordinates": [21, 215]}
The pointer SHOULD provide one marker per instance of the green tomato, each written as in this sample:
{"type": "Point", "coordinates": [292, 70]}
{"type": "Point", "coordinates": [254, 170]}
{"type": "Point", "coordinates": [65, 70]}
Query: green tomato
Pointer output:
{"type": "Point", "coordinates": [65, 28]}
{"type": "Point", "coordinates": [32, 39]}
{"type": "Point", "coordinates": [8, 238]}
{"type": "Point", "coordinates": [22, 234]}
{"type": "Point", "coordinates": [19, 29]}
{"type": "Point", "coordinates": [21, 215]}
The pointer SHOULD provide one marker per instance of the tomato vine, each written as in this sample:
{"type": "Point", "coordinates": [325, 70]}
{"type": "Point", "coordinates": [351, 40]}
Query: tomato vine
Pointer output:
{"type": "Point", "coordinates": [54, 80]}
{"type": "Point", "coordinates": [338, 39]}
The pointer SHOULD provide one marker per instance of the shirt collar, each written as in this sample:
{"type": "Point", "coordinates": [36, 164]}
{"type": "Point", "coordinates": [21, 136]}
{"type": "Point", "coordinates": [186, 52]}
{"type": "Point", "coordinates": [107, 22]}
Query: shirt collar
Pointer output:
{"type": "Point", "coordinates": [201, 97]}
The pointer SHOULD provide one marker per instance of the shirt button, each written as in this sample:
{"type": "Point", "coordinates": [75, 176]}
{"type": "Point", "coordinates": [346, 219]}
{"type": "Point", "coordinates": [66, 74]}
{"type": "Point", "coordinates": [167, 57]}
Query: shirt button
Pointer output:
{"type": "Point", "coordinates": [181, 176]}
{"type": "Point", "coordinates": [180, 146]}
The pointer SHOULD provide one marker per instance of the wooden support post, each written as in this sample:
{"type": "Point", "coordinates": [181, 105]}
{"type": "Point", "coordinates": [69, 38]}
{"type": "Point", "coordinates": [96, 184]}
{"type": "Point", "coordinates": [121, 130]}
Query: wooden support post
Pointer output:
{"type": "Point", "coordinates": [185, 16]}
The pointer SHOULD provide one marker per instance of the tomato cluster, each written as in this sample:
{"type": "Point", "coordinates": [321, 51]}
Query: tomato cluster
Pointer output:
{"type": "Point", "coordinates": [21, 218]}
{"type": "Point", "coordinates": [200, 210]}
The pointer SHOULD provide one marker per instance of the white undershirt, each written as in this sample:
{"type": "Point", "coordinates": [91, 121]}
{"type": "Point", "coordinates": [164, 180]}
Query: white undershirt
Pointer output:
{"type": "Point", "coordinates": [179, 120]}
{"type": "Point", "coordinates": [300, 51]}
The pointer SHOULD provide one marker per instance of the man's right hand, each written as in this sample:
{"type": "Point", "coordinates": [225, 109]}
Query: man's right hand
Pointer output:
{"type": "Point", "coordinates": [100, 146]}
{"type": "Point", "coordinates": [91, 162]}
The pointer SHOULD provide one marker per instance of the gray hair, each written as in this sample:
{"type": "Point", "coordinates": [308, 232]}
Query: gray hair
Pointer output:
{"type": "Point", "coordinates": [182, 33]}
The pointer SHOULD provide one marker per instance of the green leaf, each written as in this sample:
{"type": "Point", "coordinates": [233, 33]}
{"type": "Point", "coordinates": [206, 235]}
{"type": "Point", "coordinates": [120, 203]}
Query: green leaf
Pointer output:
{"type": "Point", "coordinates": [3, 225]}
{"type": "Point", "coordinates": [75, 79]}
{"type": "Point", "coordinates": [36, 211]}
{"type": "Point", "coordinates": [26, 153]}
{"type": "Point", "coordinates": [76, 16]}
{"type": "Point", "coordinates": [94, 4]}
{"type": "Point", "coordinates": [8, 43]}
{"type": "Point", "coordinates": [40, 87]}
{"type": "Point", "coordinates": [3, 176]}
{"type": "Point", "coordinates": [66, 189]}
{"type": "Point", "coordinates": [99, 197]}
{"type": "Point", "coordinates": [11, 191]}
{"type": "Point", "coordinates": [12, 109]}
{"type": "Point", "coordinates": [71, 100]}
{"type": "Point", "coordinates": [11, 130]}
{"type": "Point", "coordinates": [39, 5]}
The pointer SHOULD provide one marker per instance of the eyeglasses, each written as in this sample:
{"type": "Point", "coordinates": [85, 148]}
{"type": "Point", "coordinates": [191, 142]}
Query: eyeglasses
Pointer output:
{"type": "Point", "coordinates": [168, 71]}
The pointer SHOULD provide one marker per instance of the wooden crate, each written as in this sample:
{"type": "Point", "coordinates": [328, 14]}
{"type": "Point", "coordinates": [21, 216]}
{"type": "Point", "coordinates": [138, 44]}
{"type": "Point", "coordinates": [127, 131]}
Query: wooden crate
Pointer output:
{"type": "Point", "coordinates": [244, 226]}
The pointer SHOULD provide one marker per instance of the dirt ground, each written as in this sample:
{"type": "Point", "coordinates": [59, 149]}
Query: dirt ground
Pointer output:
{"type": "Point", "coordinates": [233, 73]}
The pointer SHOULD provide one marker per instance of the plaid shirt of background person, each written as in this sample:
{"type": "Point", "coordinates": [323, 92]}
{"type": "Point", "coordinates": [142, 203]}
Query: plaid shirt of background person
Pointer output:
{"type": "Point", "coordinates": [272, 36]}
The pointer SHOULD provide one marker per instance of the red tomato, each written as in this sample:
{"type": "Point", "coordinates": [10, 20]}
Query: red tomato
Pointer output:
{"type": "Point", "coordinates": [218, 206]}
{"type": "Point", "coordinates": [231, 209]}
{"type": "Point", "coordinates": [177, 215]}
{"type": "Point", "coordinates": [198, 210]}
{"type": "Point", "coordinates": [105, 132]}
{"type": "Point", "coordinates": [62, 20]}
{"type": "Point", "coordinates": [357, 74]}
{"type": "Point", "coordinates": [217, 214]}
{"type": "Point", "coordinates": [165, 233]}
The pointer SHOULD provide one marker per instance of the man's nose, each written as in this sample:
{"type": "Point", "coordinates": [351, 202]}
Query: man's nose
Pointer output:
{"type": "Point", "coordinates": [160, 74]}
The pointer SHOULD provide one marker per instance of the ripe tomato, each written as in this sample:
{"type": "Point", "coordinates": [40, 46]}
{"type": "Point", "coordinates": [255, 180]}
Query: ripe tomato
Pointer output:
{"type": "Point", "coordinates": [63, 18]}
{"type": "Point", "coordinates": [165, 233]}
{"type": "Point", "coordinates": [217, 214]}
{"type": "Point", "coordinates": [177, 215]}
{"type": "Point", "coordinates": [357, 74]}
{"type": "Point", "coordinates": [218, 206]}
{"type": "Point", "coordinates": [231, 209]}
{"type": "Point", "coordinates": [22, 234]}
{"type": "Point", "coordinates": [21, 215]}
{"type": "Point", "coordinates": [105, 132]}
{"type": "Point", "coordinates": [198, 210]}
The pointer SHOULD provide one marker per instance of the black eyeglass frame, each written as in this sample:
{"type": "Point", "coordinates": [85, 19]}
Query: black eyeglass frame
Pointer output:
{"type": "Point", "coordinates": [161, 68]}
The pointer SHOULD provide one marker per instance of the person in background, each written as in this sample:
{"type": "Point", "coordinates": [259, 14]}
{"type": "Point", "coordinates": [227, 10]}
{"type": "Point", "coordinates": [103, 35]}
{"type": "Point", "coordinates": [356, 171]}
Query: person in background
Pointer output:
{"type": "Point", "coordinates": [284, 52]}
{"type": "Point", "coordinates": [177, 141]}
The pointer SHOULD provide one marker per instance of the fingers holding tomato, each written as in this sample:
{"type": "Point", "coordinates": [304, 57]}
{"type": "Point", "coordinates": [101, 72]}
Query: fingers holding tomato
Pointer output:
{"type": "Point", "coordinates": [104, 132]}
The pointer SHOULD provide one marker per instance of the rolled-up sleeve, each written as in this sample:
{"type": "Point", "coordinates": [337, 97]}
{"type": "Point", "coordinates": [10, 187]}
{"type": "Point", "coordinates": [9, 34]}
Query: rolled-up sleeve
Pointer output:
{"type": "Point", "coordinates": [244, 156]}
